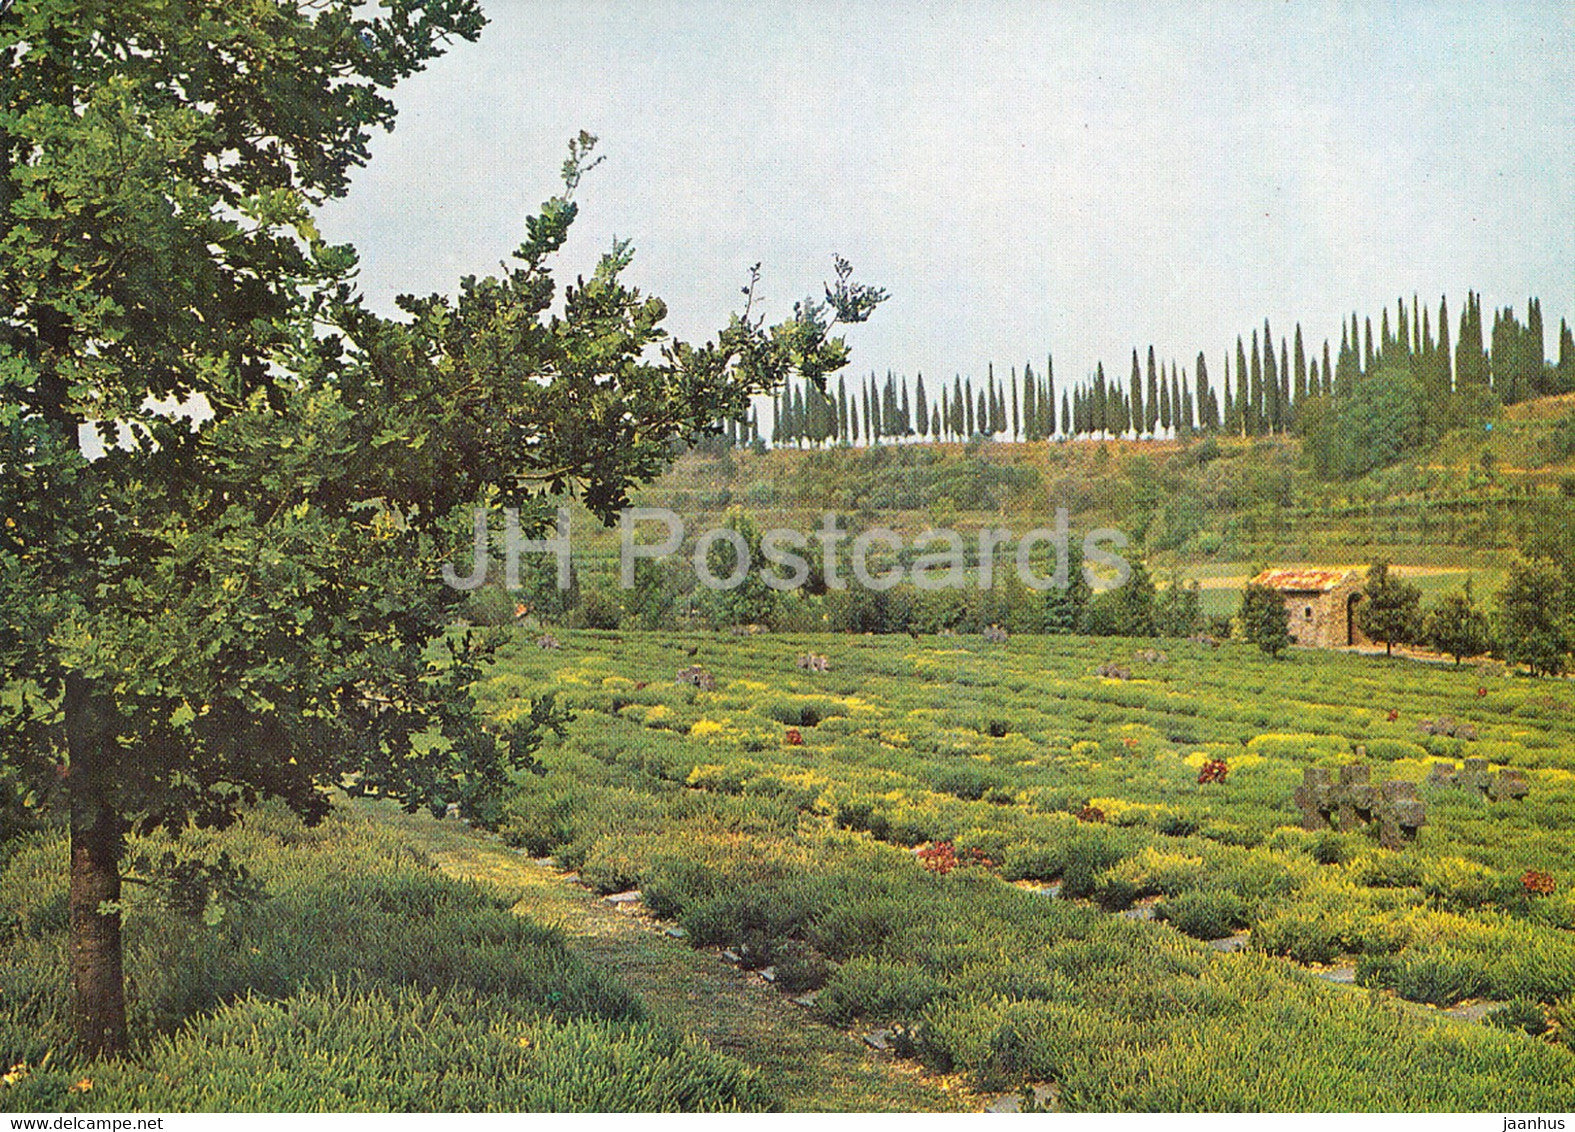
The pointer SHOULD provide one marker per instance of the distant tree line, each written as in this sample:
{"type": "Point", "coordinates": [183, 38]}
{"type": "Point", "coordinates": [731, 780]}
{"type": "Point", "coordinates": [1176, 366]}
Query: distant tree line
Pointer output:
{"type": "Point", "coordinates": [1360, 406]}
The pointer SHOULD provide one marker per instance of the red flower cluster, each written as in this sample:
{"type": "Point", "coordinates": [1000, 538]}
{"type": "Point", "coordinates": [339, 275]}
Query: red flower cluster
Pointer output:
{"type": "Point", "coordinates": [1394, 715]}
{"type": "Point", "coordinates": [1214, 770]}
{"type": "Point", "coordinates": [1090, 812]}
{"type": "Point", "coordinates": [1537, 883]}
{"type": "Point", "coordinates": [1481, 693]}
{"type": "Point", "coordinates": [942, 857]}
{"type": "Point", "coordinates": [794, 737]}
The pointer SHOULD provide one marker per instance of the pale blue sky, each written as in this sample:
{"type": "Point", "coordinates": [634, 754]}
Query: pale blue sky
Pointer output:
{"type": "Point", "coordinates": [1024, 177]}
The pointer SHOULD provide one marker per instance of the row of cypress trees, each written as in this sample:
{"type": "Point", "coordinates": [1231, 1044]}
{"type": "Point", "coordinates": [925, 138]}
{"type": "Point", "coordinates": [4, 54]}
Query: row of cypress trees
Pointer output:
{"type": "Point", "coordinates": [1262, 390]}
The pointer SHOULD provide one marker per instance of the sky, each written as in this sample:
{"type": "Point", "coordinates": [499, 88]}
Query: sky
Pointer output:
{"type": "Point", "coordinates": [1025, 178]}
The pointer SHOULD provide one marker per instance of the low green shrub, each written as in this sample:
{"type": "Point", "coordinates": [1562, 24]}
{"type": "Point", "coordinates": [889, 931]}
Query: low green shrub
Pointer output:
{"type": "Point", "coordinates": [878, 990]}
{"type": "Point", "coordinates": [404, 1050]}
{"type": "Point", "coordinates": [1205, 913]}
{"type": "Point", "coordinates": [799, 967]}
{"type": "Point", "coordinates": [1523, 1015]}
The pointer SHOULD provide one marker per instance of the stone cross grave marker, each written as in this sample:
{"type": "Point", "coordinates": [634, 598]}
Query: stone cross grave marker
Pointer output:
{"type": "Point", "coordinates": [1476, 775]}
{"type": "Point", "coordinates": [1354, 801]}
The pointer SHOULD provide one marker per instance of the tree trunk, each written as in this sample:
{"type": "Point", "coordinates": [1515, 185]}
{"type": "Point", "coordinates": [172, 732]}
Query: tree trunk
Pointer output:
{"type": "Point", "coordinates": [98, 995]}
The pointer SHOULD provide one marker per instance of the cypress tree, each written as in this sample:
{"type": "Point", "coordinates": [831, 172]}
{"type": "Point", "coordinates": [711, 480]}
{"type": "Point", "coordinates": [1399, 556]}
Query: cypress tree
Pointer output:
{"type": "Point", "coordinates": [1287, 412]}
{"type": "Point", "coordinates": [1345, 375]}
{"type": "Point", "coordinates": [1445, 354]}
{"type": "Point", "coordinates": [1368, 358]}
{"type": "Point", "coordinates": [776, 419]}
{"type": "Point", "coordinates": [1047, 421]}
{"type": "Point", "coordinates": [843, 435]}
{"type": "Point", "coordinates": [968, 413]}
{"type": "Point", "coordinates": [1255, 398]}
{"type": "Point", "coordinates": [1030, 403]}
{"type": "Point", "coordinates": [1230, 419]}
{"type": "Point", "coordinates": [1176, 415]}
{"type": "Point", "coordinates": [1017, 419]}
{"type": "Point", "coordinates": [853, 423]}
{"type": "Point", "coordinates": [1243, 389]}
{"type": "Point", "coordinates": [1566, 367]}
{"type": "Point", "coordinates": [1151, 405]}
{"type": "Point", "coordinates": [1139, 420]}
{"type": "Point", "coordinates": [1164, 402]}
{"type": "Point", "coordinates": [1536, 350]}
{"type": "Point", "coordinates": [1272, 413]}
{"type": "Point", "coordinates": [1201, 378]}
{"type": "Point", "coordinates": [1471, 364]}
{"type": "Point", "coordinates": [1066, 415]}
{"type": "Point", "coordinates": [935, 422]}
{"type": "Point", "coordinates": [921, 407]}
{"type": "Point", "coordinates": [1300, 361]}
{"type": "Point", "coordinates": [1328, 373]}
{"type": "Point", "coordinates": [1104, 403]}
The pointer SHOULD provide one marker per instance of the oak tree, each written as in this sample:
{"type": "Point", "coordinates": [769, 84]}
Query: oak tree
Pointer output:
{"type": "Point", "coordinates": [243, 599]}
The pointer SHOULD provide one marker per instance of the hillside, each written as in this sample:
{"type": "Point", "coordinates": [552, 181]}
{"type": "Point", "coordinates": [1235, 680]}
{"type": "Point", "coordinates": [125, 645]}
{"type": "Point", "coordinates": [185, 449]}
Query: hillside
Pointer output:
{"type": "Point", "coordinates": [1207, 509]}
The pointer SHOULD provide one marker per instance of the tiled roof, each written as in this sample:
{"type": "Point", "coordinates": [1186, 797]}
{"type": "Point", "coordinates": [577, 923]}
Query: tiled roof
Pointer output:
{"type": "Point", "coordinates": [1301, 581]}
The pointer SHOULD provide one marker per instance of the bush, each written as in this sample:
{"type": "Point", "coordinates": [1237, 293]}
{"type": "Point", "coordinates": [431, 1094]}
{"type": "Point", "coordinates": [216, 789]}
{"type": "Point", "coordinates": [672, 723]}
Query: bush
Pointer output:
{"type": "Point", "coordinates": [877, 989]}
{"type": "Point", "coordinates": [863, 816]}
{"type": "Point", "coordinates": [1522, 1014]}
{"type": "Point", "coordinates": [1115, 893]}
{"type": "Point", "coordinates": [966, 781]}
{"type": "Point", "coordinates": [392, 1050]}
{"type": "Point", "coordinates": [1205, 914]}
{"type": "Point", "coordinates": [1304, 935]}
{"type": "Point", "coordinates": [1442, 979]}
{"type": "Point", "coordinates": [799, 967]}
{"type": "Point", "coordinates": [1087, 856]}
{"type": "Point", "coordinates": [758, 919]}
{"type": "Point", "coordinates": [1033, 861]}
{"type": "Point", "coordinates": [1329, 848]}
{"type": "Point", "coordinates": [668, 885]}
{"type": "Point", "coordinates": [599, 610]}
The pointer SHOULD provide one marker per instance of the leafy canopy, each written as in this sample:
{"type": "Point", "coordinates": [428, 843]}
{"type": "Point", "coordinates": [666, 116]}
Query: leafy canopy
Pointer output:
{"type": "Point", "coordinates": [244, 600]}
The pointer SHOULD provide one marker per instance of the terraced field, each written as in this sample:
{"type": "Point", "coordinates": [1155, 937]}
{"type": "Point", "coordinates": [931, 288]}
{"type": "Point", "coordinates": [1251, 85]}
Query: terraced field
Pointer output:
{"type": "Point", "coordinates": [1007, 864]}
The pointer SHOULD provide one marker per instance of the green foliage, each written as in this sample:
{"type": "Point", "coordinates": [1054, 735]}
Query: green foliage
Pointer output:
{"type": "Point", "coordinates": [1456, 627]}
{"type": "Point", "coordinates": [1125, 611]}
{"type": "Point", "coordinates": [1391, 611]}
{"type": "Point", "coordinates": [1206, 914]}
{"type": "Point", "coordinates": [749, 602]}
{"type": "Point", "coordinates": [237, 604]}
{"type": "Point", "coordinates": [1534, 612]}
{"type": "Point", "coordinates": [1264, 618]}
{"type": "Point", "coordinates": [796, 855]}
{"type": "Point", "coordinates": [1521, 1015]}
{"type": "Point", "coordinates": [365, 980]}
